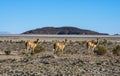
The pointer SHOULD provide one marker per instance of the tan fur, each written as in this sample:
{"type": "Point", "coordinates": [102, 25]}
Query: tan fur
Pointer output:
{"type": "Point", "coordinates": [31, 44]}
{"type": "Point", "coordinates": [91, 45]}
{"type": "Point", "coordinates": [60, 46]}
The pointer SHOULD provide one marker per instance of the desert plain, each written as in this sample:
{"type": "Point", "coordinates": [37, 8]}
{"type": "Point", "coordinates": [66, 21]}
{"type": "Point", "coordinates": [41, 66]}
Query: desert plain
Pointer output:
{"type": "Point", "coordinates": [76, 60]}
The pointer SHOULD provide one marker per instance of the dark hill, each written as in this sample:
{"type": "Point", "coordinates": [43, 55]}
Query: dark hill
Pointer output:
{"type": "Point", "coordinates": [62, 31]}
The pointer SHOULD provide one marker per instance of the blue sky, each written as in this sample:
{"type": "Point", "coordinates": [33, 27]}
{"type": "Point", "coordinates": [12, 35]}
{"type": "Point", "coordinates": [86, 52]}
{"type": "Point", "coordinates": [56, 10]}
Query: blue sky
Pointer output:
{"type": "Point", "coordinates": [17, 16]}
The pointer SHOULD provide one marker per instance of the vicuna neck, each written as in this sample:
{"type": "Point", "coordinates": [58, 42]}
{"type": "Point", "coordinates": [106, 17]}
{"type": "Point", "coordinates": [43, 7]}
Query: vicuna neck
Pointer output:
{"type": "Point", "coordinates": [36, 41]}
{"type": "Point", "coordinates": [65, 42]}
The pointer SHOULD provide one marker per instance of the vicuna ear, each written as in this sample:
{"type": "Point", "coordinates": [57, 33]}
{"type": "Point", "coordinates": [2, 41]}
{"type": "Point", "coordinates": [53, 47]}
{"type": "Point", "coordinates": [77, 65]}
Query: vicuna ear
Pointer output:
{"type": "Point", "coordinates": [98, 39]}
{"type": "Point", "coordinates": [66, 40]}
{"type": "Point", "coordinates": [37, 39]}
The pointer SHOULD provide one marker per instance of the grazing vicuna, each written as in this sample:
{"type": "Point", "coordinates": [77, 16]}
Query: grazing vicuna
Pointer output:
{"type": "Point", "coordinates": [91, 45]}
{"type": "Point", "coordinates": [31, 45]}
{"type": "Point", "coordinates": [60, 46]}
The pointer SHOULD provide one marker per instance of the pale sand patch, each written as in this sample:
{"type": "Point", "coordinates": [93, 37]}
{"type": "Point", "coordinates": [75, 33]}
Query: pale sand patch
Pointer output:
{"type": "Point", "coordinates": [13, 55]}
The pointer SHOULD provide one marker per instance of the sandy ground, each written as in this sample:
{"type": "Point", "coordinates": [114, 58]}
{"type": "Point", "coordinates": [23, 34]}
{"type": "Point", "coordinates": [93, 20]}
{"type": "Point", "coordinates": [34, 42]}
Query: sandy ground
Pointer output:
{"type": "Point", "coordinates": [58, 37]}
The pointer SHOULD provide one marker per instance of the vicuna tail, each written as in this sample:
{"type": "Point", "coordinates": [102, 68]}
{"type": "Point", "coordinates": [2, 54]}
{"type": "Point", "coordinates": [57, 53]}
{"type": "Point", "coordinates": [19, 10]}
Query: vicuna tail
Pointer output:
{"type": "Point", "coordinates": [54, 47]}
{"type": "Point", "coordinates": [87, 45]}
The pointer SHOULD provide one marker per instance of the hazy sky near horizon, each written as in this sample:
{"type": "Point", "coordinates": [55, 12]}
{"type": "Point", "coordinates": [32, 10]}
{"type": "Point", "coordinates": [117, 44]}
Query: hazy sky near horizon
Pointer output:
{"type": "Point", "coordinates": [17, 16]}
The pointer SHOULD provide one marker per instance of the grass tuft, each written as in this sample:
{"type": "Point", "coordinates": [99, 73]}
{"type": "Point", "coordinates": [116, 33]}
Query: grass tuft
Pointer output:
{"type": "Point", "coordinates": [38, 49]}
{"type": "Point", "coordinates": [116, 50]}
{"type": "Point", "coordinates": [101, 50]}
{"type": "Point", "coordinates": [7, 52]}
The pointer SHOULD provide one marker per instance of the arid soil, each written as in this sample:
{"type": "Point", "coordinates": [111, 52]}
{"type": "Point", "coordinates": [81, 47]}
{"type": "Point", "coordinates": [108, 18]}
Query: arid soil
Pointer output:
{"type": "Point", "coordinates": [77, 60]}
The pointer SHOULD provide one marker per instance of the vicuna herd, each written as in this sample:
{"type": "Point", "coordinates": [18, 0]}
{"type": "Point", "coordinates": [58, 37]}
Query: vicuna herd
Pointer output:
{"type": "Point", "coordinates": [30, 45]}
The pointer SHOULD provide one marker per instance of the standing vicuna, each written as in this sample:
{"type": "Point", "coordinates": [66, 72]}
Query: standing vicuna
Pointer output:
{"type": "Point", "coordinates": [92, 45]}
{"type": "Point", "coordinates": [30, 45]}
{"type": "Point", "coordinates": [60, 46]}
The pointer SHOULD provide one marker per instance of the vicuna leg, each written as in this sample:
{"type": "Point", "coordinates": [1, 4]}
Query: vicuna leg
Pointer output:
{"type": "Point", "coordinates": [33, 51]}
{"type": "Point", "coordinates": [54, 50]}
{"type": "Point", "coordinates": [62, 51]}
{"type": "Point", "coordinates": [28, 49]}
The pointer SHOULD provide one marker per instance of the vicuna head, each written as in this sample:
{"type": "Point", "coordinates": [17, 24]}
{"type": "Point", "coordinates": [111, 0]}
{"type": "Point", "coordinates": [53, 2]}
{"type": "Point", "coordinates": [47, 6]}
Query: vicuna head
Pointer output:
{"type": "Point", "coordinates": [36, 41]}
{"type": "Point", "coordinates": [66, 41]}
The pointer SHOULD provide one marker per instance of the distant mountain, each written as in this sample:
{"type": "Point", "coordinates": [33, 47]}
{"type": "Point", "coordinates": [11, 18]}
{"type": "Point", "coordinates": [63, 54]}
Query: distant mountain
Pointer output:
{"type": "Point", "coordinates": [63, 31]}
{"type": "Point", "coordinates": [3, 32]}
{"type": "Point", "coordinates": [116, 34]}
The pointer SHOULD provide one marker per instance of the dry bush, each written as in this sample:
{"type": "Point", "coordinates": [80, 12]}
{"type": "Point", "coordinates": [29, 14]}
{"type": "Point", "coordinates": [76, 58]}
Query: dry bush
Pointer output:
{"type": "Point", "coordinates": [81, 42]}
{"type": "Point", "coordinates": [116, 50]}
{"type": "Point", "coordinates": [71, 42]}
{"type": "Point", "coordinates": [38, 49]}
{"type": "Point", "coordinates": [1, 41]}
{"type": "Point", "coordinates": [7, 52]}
{"type": "Point", "coordinates": [21, 41]}
{"type": "Point", "coordinates": [44, 42]}
{"type": "Point", "coordinates": [110, 43]}
{"type": "Point", "coordinates": [103, 42]}
{"type": "Point", "coordinates": [11, 41]}
{"type": "Point", "coordinates": [100, 50]}
{"type": "Point", "coordinates": [68, 51]}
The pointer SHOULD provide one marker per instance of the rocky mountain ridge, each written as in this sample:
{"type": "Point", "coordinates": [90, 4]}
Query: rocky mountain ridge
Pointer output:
{"type": "Point", "coordinates": [63, 31]}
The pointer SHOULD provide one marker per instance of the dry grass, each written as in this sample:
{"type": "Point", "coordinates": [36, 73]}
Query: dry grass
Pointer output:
{"type": "Point", "coordinates": [116, 50]}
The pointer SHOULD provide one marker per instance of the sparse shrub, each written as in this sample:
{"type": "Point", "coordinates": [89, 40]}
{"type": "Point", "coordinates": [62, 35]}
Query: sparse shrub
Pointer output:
{"type": "Point", "coordinates": [116, 50]}
{"type": "Point", "coordinates": [49, 43]}
{"type": "Point", "coordinates": [7, 52]}
{"type": "Point", "coordinates": [52, 41]}
{"type": "Point", "coordinates": [68, 51]}
{"type": "Point", "coordinates": [100, 42]}
{"type": "Point", "coordinates": [1, 41]}
{"type": "Point", "coordinates": [44, 42]}
{"type": "Point", "coordinates": [5, 41]}
{"type": "Point", "coordinates": [83, 42]}
{"type": "Point", "coordinates": [22, 41]}
{"type": "Point", "coordinates": [103, 42]}
{"type": "Point", "coordinates": [110, 43]}
{"type": "Point", "coordinates": [38, 49]}
{"type": "Point", "coordinates": [71, 42]}
{"type": "Point", "coordinates": [78, 42]}
{"type": "Point", "coordinates": [11, 41]}
{"type": "Point", "coordinates": [101, 50]}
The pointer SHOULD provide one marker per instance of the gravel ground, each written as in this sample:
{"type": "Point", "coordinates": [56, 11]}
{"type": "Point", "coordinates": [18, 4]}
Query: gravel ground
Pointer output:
{"type": "Point", "coordinates": [76, 61]}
